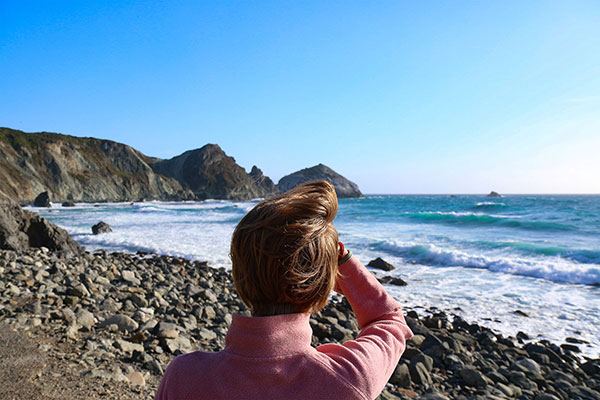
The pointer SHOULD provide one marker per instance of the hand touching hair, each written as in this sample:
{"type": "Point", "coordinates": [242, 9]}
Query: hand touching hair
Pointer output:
{"type": "Point", "coordinates": [284, 251]}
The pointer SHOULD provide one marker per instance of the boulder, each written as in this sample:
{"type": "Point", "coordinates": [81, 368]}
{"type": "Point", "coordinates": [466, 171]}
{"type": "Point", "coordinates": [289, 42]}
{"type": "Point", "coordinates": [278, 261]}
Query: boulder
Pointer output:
{"type": "Point", "coordinates": [101, 227]}
{"type": "Point", "coordinates": [21, 229]}
{"type": "Point", "coordinates": [343, 187]}
{"type": "Point", "coordinates": [392, 280]}
{"type": "Point", "coordinates": [379, 263]}
{"type": "Point", "coordinates": [42, 200]}
{"type": "Point", "coordinates": [494, 194]}
{"type": "Point", "coordinates": [68, 204]}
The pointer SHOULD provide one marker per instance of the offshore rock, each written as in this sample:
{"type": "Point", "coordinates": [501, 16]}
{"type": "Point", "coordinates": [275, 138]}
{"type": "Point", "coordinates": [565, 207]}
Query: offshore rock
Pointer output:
{"type": "Point", "coordinates": [343, 187]}
{"type": "Point", "coordinates": [379, 263]}
{"type": "Point", "coordinates": [211, 174]}
{"type": "Point", "coordinates": [101, 227]}
{"type": "Point", "coordinates": [494, 194]}
{"type": "Point", "coordinates": [42, 200]}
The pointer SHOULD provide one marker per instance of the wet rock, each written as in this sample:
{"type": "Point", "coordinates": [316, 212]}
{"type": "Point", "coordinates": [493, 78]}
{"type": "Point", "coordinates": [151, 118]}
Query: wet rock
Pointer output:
{"type": "Point", "coordinates": [392, 280]}
{"type": "Point", "coordinates": [42, 200]}
{"type": "Point", "coordinates": [379, 263]}
{"type": "Point", "coordinates": [68, 204]}
{"type": "Point", "coordinates": [101, 227]}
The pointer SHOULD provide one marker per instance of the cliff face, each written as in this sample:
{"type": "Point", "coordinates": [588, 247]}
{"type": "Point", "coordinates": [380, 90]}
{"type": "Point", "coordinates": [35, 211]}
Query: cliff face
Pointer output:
{"type": "Point", "coordinates": [78, 169]}
{"type": "Point", "coordinates": [209, 173]}
{"type": "Point", "coordinates": [343, 187]}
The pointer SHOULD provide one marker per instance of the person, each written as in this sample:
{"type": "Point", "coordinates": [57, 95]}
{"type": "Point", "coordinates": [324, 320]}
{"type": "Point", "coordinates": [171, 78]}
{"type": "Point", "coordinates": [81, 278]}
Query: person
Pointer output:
{"type": "Point", "coordinates": [286, 259]}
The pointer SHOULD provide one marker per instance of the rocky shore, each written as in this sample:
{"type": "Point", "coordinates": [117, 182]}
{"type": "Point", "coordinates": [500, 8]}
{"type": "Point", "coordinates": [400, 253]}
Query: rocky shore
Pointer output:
{"type": "Point", "coordinates": [107, 325]}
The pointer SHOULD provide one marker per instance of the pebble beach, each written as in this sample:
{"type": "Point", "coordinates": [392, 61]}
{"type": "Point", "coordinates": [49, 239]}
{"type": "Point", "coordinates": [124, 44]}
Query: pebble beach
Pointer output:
{"type": "Point", "coordinates": [106, 325]}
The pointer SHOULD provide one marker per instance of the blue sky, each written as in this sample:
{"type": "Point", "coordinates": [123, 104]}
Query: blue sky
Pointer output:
{"type": "Point", "coordinates": [400, 97]}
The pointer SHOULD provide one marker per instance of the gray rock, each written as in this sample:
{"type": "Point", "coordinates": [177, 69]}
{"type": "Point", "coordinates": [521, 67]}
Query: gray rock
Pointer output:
{"type": "Point", "coordinates": [128, 347]}
{"type": "Point", "coordinates": [472, 377]}
{"type": "Point", "coordinates": [401, 376]}
{"type": "Point", "coordinates": [85, 319]}
{"type": "Point", "coordinates": [420, 375]}
{"type": "Point", "coordinates": [21, 230]}
{"type": "Point", "coordinates": [101, 227]}
{"type": "Point", "coordinates": [123, 322]}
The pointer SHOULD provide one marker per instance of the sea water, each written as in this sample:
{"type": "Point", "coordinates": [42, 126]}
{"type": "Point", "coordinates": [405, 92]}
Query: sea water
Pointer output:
{"type": "Point", "coordinates": [518, 263]}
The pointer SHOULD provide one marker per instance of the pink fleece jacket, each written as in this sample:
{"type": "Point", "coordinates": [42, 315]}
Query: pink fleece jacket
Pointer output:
{"type": "Point", "coordinates": [271, 357]}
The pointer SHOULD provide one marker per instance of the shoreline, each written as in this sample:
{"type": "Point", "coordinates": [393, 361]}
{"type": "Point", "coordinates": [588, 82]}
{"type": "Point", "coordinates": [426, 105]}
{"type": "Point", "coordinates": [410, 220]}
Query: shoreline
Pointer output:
{"type": "Point", "coordinates": [123, 317]}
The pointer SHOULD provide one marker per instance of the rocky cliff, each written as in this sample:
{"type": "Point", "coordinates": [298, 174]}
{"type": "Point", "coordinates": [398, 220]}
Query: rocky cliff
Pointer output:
{"type": "Point", "coordinates": [209, 173]}
{"type": "Point", "coordinates": [343, 187]}
{"type": "Point", "coordinates": [78, 169]}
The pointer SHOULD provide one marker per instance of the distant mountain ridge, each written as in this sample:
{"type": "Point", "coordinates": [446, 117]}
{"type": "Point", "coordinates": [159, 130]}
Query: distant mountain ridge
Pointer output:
{"type": "Point", "coordinates": [95, 170]}
{"type": "Point", "coordinates": [209, 173]}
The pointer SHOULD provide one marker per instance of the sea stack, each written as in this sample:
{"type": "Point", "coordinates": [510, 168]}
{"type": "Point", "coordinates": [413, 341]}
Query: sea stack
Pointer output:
{"type": "Point", "coordinates": [343, 187]}
{"type": "Point", "coordinates": [494, 194]}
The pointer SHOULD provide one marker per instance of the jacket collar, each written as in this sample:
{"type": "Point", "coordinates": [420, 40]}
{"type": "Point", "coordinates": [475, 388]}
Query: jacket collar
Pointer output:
{"type": "Point", "coordinates": [273, 336]}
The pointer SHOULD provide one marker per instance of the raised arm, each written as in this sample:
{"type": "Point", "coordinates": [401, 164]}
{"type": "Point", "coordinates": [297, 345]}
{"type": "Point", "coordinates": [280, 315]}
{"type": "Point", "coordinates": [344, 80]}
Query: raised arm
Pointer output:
{"type": "Point", "coordinates": [368, 361]}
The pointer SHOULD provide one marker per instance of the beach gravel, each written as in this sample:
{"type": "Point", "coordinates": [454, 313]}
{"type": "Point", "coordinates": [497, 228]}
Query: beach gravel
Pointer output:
{"type": "Point", "coordinates": [106, 325]}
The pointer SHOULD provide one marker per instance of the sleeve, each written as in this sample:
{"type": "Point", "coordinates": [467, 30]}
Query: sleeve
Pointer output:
{"type": "Point", "coordinates": [166, 389]}
{"type": "Point", "coordinates": [370, 359]}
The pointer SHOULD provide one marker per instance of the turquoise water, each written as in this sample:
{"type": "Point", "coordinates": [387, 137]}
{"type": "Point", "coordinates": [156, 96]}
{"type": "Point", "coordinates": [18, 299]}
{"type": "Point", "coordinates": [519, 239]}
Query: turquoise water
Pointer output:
{"type": "Point", "coordinates": [483, 258]}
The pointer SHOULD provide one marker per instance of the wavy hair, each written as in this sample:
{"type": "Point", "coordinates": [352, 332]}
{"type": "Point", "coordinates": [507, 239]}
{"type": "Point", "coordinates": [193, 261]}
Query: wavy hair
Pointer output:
{"type": "Point", "coordinates": [284, 251]}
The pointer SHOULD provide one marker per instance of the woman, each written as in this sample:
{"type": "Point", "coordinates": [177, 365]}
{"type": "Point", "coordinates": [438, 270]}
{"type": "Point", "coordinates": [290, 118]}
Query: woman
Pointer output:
{"type": "Point", "coordinates": [285, 261]}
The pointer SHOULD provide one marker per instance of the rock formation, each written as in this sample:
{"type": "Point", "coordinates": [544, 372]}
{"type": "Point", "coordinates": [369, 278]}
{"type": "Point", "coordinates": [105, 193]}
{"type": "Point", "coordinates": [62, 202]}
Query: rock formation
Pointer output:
{"type": "Point", "coordinates": [78, 169]}
{"type": "Point", "coordinates": [381, 264]}
{"type": "Point", "coordinates": [210, 174]}
{"type": "Point", "coordinates": [494, 194]}
{"type": "Point", "coordinates": [21, 229]}
{"type": "Point", "coordinates": [101, 227]}
{"type": "Point", "coordinates": [343, 187]}
{"type": "Point", "coordinates": [42, 200]}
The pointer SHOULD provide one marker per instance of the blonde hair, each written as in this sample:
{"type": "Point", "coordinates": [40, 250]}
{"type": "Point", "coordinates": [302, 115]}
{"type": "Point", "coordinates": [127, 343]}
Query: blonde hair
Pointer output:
{"type": "Point", "coordinates": [284, 251]}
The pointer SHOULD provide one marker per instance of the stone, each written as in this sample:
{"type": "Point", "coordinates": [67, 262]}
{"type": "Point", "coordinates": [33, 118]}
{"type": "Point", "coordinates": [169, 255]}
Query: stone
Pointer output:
{"type": "Point", "coordinates": [101, 227]}
{"type": "Point", "coordinates": [85, 319]}
{"type": "Point", "coordinates": [401, 376]}
{"type": "Point", "coordinates": [379, 263]}
{"type": "Point", "coordinates": [472, 377]}
{"type": "Point", "coordinates": [392, 280]}
{"type": "Point", "coordinates": [136, 378]}
{"type": "Point", "coordinates": [420, 375]}
{"type": "Point", "coordinates": [68, 204]}
{"type": "Point", "coordinates": [123, 322]}
{"type": "Point", "coordinates": [167, 330]}
{"type": "Point", "coordinates": [545, 396]}
{"type": "Point", "coordinates": [128, 347]}
{"type": "Point", "coordinates": [494, 194]}
{"type": "Point", "coordinates": [21, 230]}
{"type": "Point", "coordinates": [42, 200]}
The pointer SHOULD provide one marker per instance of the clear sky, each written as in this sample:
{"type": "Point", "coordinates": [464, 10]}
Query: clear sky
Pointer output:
{"type": "Point", "coordinates": [400, 97]}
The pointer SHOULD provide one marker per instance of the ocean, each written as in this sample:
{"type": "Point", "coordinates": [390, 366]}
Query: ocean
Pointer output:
{"type": "Point", "coordinates": [527, 263]}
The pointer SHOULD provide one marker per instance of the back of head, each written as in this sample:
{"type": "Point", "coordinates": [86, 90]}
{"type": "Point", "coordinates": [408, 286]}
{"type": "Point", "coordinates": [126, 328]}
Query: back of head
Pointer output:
{"type": "Point", "coordinates": [284, 251]}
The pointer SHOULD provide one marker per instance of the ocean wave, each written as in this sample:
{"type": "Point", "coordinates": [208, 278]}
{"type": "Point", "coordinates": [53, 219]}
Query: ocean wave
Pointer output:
{"type": "Point", "coordinates": [476, 219]}
{"type": "Point", "coordinates": [583, 256]}
{"type": "Point", "coordinates": [487, 205]}
{"type": "Point", "coordinates": [553, 269]}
